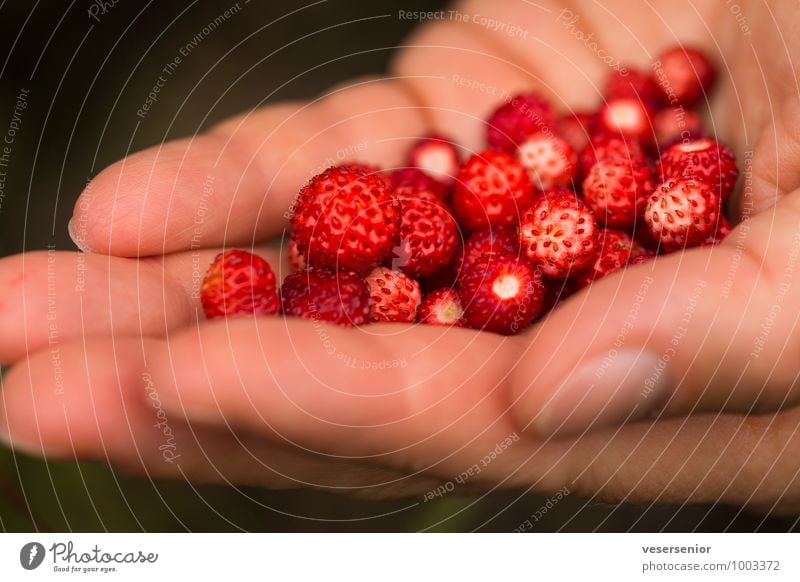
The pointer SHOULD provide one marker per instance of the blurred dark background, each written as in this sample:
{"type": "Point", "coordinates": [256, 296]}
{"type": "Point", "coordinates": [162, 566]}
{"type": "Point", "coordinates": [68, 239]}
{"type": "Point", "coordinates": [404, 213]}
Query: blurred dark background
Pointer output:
{"type": "Point", "coordinates": [88, 67]}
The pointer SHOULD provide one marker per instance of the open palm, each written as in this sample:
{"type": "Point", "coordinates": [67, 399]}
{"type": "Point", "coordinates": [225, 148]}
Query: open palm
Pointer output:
{"type": "Point", "coordinates": [138, 378]}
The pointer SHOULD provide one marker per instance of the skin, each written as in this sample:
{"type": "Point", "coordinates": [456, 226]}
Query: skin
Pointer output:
{"type": "Point", "coordinates": [267, 402]}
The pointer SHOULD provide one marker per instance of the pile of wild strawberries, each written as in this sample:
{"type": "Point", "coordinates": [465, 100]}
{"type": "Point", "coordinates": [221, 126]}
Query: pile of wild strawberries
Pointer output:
{"type": "Point", "coordinates": [496, 241]}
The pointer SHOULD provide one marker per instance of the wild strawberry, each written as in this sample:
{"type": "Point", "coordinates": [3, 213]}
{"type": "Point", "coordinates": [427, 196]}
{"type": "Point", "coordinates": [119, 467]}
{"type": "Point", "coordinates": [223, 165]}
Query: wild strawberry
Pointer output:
{"type": "Point", "coordinates": [523, 116]}
{"type": "Point", "coordinates": [702, 159]}
{"type": "Point", "coordinates": [492, 189]}
{"type": "Point", "coordinates": [296, 261]}
{"type": "Point", "coordinates": [682, 213]}
{"type": "Point", "coordinates": [675, 124]}
{"type": "Point", "coordinates": [437, 157]}
{"type": "Point", "coordinates": [341, 298]}
{"type": "Point", "coordinates": [238, 283]}
{"type": "Point", "coordinates": [346, 219]}
{"type": "Point", "coordinates": [617, 189]}
{"type": "Point", "coordinates": [617, 249]}
{"type": "Point", "coordinates": [559, 234]}
{"type": "Point", "coordinates": [549, 159]}
{"type": "Point", "coordinates": [685, 74]}
{"type": "Point", "coordinates": [416, 179]}
{"type": "Point", "coordinates": [442, 307]}
{"type": "Point", "coordinates": [626, 117]}
{"type": "Point", "coordinates": [576, 128]}
{"type": "Point", "coordinates": [723, 229]}
{"type": "Point", "coordinates": [498, 240]}
{"type": "Point", "coordinates": [609, 146]}
{"type": "Point", "coordinates": [395, 296]}
{"type": "Point", "coordinates": [631, 83]}
{"type": "Point", "coordinates": [428, 234]}
{"type": "Point", "coordinates": [501, 295]}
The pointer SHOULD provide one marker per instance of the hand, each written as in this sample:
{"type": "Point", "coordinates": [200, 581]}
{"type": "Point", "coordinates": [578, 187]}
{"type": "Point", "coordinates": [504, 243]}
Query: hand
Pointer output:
{"type": "Point", "coordinates": [124, 369]}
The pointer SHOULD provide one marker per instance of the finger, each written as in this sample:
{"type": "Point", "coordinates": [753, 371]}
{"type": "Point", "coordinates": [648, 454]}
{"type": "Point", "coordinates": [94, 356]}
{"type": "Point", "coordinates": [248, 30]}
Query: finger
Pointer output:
{"type": "Point", "coordinates": [50, 297]}
{"type": "Point", "coordinates": [706, 330]}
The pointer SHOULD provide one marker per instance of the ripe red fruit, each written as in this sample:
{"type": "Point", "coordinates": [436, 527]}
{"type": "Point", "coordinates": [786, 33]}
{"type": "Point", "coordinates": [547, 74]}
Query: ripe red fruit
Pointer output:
{"type": "Point", "coordinates": [682, 213]}
{"type": "Point", "coordinates": [674, 124]}
{"type": "Point", "coordinates": [237, 283]}
{"type": "Point", "coordinates": [501, 295]}
{"type": "Point", "coordinates": [437, 157]}
{"type": "Point", "coordinates": [576, 128]}
{"type": "Point", "coordinates": [617, 249]}
{"type": "Point", "coordinates": [341, 298]}
{"type": "Point", "coordinates": [512, 123]}
{"type": "Point", "coordinates": [498, 240]}
{"type": "Point", "coordinates": [559, 234]}
{"type": "Point", "coordinates": [722, 230]}
{"type": "Point", "coordinates": [492, 189]}
{"type": "Point", "coordinates": [550, 160]}
{"type": "Point", "coordinates": [627, 117]}
{"type": "Point", "coordinates": [702, 159]}
{"type": "Point", "coordinates": [429, 234]}
{"type": "Point", "coordinates": [685, 75]}
{"type": "Point", "coordinates": [395, 296]}
{"type": "Point", "coordinates": [346, 219]}
{"type": "Point", "coordinates": [616, 189]}
{"type": "Point", "coordinates": [631, 83]}
{"type": "Point", "coordinates": [296, 261]}
{"type": "Point", "coordinates": [442, 307]}
{"type": "Point", "coordinates": [416, 179]}
{"type": "Point", "coordinates": [609, 146]}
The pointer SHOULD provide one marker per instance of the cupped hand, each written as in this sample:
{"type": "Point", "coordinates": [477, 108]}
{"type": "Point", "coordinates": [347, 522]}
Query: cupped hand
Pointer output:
{"type": "Point", "coordinates": [672, 381]}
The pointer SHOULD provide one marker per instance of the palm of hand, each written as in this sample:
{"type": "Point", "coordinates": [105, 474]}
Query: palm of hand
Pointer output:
{"type": "Point", "coordinates": [268, 402]}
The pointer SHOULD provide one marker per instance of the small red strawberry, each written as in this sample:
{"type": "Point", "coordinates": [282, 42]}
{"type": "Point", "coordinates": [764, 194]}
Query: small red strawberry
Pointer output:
{"type": "Point", "coordinates": [703, 159]}
{"type": "Point", "coordinates": [442, 307]}
{"type": "Point", "coordinates": [632, 83]}
{"type": "Point", "coordinates": [627, 117]}
{"type": "Point", "coordinates": [296, 261]}
{"type": "Point", "coordinates": [346, 219]}
{"type": "Point", "coordinates": [685, 75]}
{"type": "Point", "coordinates": [418, 180]}
{"type": "Point", "coordinates": [576, 128]}
{"type": "Point", "coordinates": [722, 230]}
{"type": "Point", "coordinates": [498, 240]}
{"type": "Point", "coordinates": [675, 124]}
{"type": "Point", "coordinates": [512, 123]}
{"type": "Point", "coordinates": [617, 189]}
{"type": "Point", "coordinates": [341, 298]}
{"type": "Point", "coordinates": [437, 157]}
{"type": "Point", "coordinates": [550, 160]}
{"type": "Point", "coordinates": [501, 295]}
{"type": "Point", "coordinates": [559, 234]}
{"type": "Point", "coordinates": [239, 283]}
{"type": "Point", "coordinates": [492, 189]}
{"type": "Point", "coordinates": [428, 234]}
{"type": "Point", "coordinates": [682, 213]}
{"type": "Point", "coordinates": [617, 249]}
{"type": "Point", "coordinates": [609, 146]}
{"type": "Point", "coordinates": [395, 296]}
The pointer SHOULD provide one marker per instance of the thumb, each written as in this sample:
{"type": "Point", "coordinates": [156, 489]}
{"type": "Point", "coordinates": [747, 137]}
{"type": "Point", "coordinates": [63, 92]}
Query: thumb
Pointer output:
{"type": "Point", "coordinates": [705, 330]}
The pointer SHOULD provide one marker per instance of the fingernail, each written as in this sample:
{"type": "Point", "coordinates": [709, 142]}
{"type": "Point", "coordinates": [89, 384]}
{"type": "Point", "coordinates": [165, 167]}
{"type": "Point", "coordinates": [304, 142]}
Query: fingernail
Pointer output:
{"type": "Point", "coordinates": [621, 386]}
{"type": "Point", "coordinates": [75, 238]}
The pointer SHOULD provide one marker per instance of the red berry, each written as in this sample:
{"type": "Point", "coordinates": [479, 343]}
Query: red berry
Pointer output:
{"type": "Point", "coordinates": [616, 189]}
{"type": "Point", "coordinates": [682, 213]}
{"type": "Point", "coordinates": [395, 296]}
{"type": "Point", "coordinates": [550, 160]}
{"type": "Point", "coordinates": [559, 234]}
{"type": "Point", "coordinates": [609, 146]}
{"type": "Point", "coordinates": [674, 124]}
{"type": "Point", "coordinates": [492, 189]}
{"type": "Point", "coordinates": [341, 298]}
{"type": "Point", "coordinates": [722, 230]}
{"type": "Point", "coordinates": [238, 282]}
{"type": "Point", "coordinates": [346, 219]}
{"type": "Point", "coordinates": [685, 75]}
{"type": "Point", "coordinates": [428, 234]}
{"type": "Point", "coordinates": [416, 179]}
{"type": "Point", "coordinates": [499, 240]}
{"type": "Point", "coordinates": [617, 249]}
{"type": "Point", "coordinates": [437, 157]}
{"type": "Point", "coordinates": [702, 159]}
{"type": "Point", "coordinates": [631, 83]}
{"type": "Point", "coordinates": [501, 295]}
{"type": "Point", "coordinates": [296, 261]}
{"type": "Point", "coordinates": [576, 128]}
{"type": "Point", "coordinates": [626, 117]}
{"type": "Point", "coordinates": [442, 307]}
{"type": "Point", "coordinates": [523, 116]}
